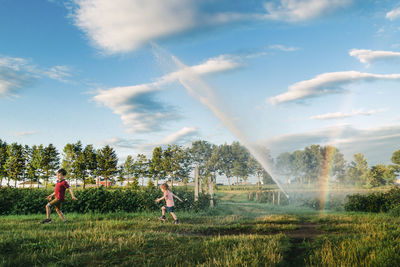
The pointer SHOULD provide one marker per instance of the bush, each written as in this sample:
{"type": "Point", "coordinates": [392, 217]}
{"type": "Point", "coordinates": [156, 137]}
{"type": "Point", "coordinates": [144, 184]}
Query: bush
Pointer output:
{"type": "Point", "coordinates": [375, 202]}
{"type": "Point", "coordinates": [98, 200]}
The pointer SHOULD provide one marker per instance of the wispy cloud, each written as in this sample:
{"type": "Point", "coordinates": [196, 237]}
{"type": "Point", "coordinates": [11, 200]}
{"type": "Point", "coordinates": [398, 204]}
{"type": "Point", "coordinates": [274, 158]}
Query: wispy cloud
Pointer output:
{"type": "Point", "coordinates": [283, 48]}
{"type": "Point", "coordinates": [19, 73]}
{"type": "Point", "coordinates": [327, 83]}
{"type": "Point", "coordinates": [302, 10]}
{"type": "Point", "coordinates": [376, 143]}
{"type": "Point", "coordinates": [344, 115]}
{"type": "Point", "coordinates": [393, 14]}
{"type": "Point", "coordinates": [25, 133]}
{"type": "Point", "coordinates": [137, 105]}
{"type": "Point", "coordinates": [368, 56]}
{"type": "Point", "coordinates": [122, 143]}
{"type": "Point", "coordinates": [121, 26]}
{"type": "Point", "coordinates": [180, 137]}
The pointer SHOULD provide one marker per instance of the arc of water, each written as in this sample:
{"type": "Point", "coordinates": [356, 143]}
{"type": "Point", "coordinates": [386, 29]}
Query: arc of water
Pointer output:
{"type": "Point", "coordinates": [196, 87]}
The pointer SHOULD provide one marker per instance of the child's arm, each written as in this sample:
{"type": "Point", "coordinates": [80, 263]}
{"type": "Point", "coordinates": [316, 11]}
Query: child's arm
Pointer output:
{"type": "Point", "coordinates": [49, 197]}
{"type": "Point", "coordinates": [159, 199]}
{"type": "Point", "coordinates": [72, 193]}
{"type": "Point", "coordinates": [177, 197]}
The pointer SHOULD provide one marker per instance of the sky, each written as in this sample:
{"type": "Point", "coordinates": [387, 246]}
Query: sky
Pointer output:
{"type": "Point", "coordinates": [137, 74]}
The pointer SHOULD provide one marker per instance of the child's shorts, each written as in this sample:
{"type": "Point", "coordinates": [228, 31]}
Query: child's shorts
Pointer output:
{"type": "Point", "coordinates": [169, 209]}
{"type": "Point", "coordinates": [56, 203]}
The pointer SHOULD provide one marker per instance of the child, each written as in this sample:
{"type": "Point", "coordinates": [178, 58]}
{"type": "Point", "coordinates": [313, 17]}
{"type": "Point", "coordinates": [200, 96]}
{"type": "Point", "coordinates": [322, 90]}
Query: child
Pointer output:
{"type": "Point", "coordinates": [169, 199]}
{"type": "Point", "coordinates": [59, 192]}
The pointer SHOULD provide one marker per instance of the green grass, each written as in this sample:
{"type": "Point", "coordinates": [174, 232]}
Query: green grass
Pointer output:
{"type": "Point", "coordinates": [236, 233]}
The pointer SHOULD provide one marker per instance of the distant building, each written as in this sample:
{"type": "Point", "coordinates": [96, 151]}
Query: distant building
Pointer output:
{"type": "Point", "coordinates": [28, 184]}
{"type": "Point", "coordinates": [102, 181]}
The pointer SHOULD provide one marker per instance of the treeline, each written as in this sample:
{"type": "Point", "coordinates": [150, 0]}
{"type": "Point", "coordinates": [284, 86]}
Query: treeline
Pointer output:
{"type": "Point", "coordinates": [175, 163]}
{"type": "Point", "coordinates": [319, 163]}
{"type": "Point", "coordinates": [85, 163]}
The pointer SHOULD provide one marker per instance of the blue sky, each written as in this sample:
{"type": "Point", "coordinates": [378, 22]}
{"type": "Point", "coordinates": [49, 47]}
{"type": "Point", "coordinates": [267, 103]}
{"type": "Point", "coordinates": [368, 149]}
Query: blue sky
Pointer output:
{"type": "Point", "coordinates": [135, 74]}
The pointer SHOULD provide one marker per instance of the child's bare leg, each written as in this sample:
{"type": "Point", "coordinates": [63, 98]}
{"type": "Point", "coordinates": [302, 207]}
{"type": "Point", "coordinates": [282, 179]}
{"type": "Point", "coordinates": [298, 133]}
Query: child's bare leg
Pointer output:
{"type": "Point", "coordinates": [48, 211]}
{"type": "Point", "coordinates": [163, 211]}
{"type": "Point", "coordinates": [60, 214]}
{"type": "Point", "coordinates": [174, 216]}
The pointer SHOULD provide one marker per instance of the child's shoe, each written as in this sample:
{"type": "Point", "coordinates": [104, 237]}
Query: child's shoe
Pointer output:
{"type": "Point", "coordinates": [176, 222]}
{"type": "Point", "coordinates": [162, 218]}
{"type": "Point", "coordinates": [46, 221]}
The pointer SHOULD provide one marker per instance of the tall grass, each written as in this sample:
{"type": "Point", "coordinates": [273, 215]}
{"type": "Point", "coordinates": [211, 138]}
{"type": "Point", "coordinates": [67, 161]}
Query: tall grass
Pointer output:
{"type": "Point", "coordinates": [236, 233]}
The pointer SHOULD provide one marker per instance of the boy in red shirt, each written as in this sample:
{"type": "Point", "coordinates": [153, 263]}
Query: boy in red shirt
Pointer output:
{"type": "Point", "coordinates": [59, 193]}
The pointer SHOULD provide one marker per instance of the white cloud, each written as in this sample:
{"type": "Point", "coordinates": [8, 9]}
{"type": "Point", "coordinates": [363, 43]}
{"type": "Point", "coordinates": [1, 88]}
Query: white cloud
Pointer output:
{"type": "Point", "coordinates": [125, 25]}
{"type": "Point", "coordinates": [302, 10]}
{"type": "Point", "coordinates": [377, 143]}
{"type": "Point", "coordinates": [342, 115]}
{"type": "Point", "coordinates": [283, 48]}
{"type": "Point", "coordinates": [122, 143]}
{"type": "Point", "coordinates": [58, 72]}
{"type": "Point", "coordinates": [18, 73]}
{"type": "Point", "coordinates": [368, 56]}
{"type": "Point", "coordinates": [178, 136]}
{"type": "Point", "coordinates": [393, 14]}
{"type": "Point", "coordinates": [25, 133]}
{"type": "Point", "coordinates": [327, 83]}
{"type": "Point", "coordinates": [137, 106]}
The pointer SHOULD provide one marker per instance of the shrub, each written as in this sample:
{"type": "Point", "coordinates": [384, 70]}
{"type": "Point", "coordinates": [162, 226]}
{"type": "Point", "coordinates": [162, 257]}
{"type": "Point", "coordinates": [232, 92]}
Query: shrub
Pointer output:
{"type": "Point", "coordinates": [375, 202]}
{"type": "Point", "coordinates": [98, 200]}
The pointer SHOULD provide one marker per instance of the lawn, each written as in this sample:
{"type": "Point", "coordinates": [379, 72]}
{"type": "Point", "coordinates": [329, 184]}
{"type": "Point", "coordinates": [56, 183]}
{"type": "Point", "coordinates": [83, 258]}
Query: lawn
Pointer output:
{"type": "Point", "coordinates": [235, 233]}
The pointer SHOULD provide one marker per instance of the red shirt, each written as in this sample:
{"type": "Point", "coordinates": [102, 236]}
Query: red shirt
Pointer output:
{"type": "Point", "coordinates": [60, 189]}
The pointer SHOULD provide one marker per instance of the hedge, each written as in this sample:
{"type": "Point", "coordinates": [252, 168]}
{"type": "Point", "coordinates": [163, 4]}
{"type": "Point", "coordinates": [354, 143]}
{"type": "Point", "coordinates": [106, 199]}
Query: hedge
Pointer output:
{"type": "Point", "coordinates": [98, 200]}
{"type": "Point", "coordinates": [376, 202]}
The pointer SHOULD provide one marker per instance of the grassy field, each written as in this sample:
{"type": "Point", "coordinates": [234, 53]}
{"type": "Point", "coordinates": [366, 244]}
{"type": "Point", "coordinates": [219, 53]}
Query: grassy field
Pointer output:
{"type": "Point", "coordinates": [236, 233]}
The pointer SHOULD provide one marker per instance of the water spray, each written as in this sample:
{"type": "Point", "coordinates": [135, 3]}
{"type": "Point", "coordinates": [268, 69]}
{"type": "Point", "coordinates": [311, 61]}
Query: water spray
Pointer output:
{"type": "Point", "coordinates": [200, 90]}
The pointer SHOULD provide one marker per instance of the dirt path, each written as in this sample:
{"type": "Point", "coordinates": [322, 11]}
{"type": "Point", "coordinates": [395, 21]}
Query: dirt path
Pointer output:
{"type": "Point", "coordinates": [299, 239]}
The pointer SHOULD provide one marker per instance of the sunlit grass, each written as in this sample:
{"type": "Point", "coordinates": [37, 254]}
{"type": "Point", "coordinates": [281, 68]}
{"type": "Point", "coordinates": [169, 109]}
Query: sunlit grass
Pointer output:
{"type": "Point", "coordinates": [236, 233]}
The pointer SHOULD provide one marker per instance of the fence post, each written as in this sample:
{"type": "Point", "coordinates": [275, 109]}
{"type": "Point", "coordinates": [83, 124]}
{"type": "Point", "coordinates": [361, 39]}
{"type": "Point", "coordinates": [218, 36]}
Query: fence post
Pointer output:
{"type": "Point", "coordinates": [211, 191]}
{"type": "Point", "coordinates": [279, 197]}
{"type": "Point", "coordinates": [273, 197]}
{"type": "Point", "coordinates": [196, 183]}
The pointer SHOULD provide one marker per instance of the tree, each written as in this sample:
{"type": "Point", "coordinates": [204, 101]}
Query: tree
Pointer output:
{"type": "Point", "coordinates": [68, 159]}
{"type": "Point", "coordinates": [172, 158]}
{"type": "Point", "coordinates": [200, 152]}
{"type": "Point", "coordinates": [51, 162]}
{"type": "Point", "coordinates": [185, 167]}
{"type": "Point", "coordinates": [396, 161]}
{"type": "Point", "coordinates": [224, 161]}
{"type": "Point", "coordinates": [91, 163]}
{"type": "Point", "coordinates": [79, 168]}
{"type": "Point", "coordinates": [312, 162]}
{"type": "Point", "coordinates": [381, 175]}
{"type": "Point", "coordinates": [3, 160]}
{"type": "Point", "coordinates": [15, 163]}
{"type": "Point", "coordinates": [333, 164]}
{"type": "Point", "coordinates": [357, 171]}
{"type": "Point", "coordinates": [37, 161]}
{"type": "Point", "coordinates": [284, 165]}
{"type": "Point", "coordinates": [298, 168]}
{"type": "Point", "coordinates": [107, 163]}
{"type": "Point", "coordinates": [211, 166]}
{"type": "Point", "coordinates": [241, 162]}
{"type": "Point", "coordinates": [141, 167]}
{"type": "Point", "coordinates": [30, 171]}
{"type": "Point", "coordinates": [156, 170]}
{"type": "Point", "coordinates": [129, 168]}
